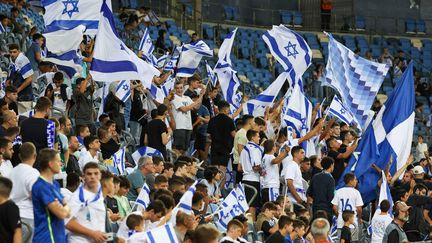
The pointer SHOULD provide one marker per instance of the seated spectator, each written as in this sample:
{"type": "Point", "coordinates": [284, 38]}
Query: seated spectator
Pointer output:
{"type": "Point", "coordinates": [234, 231]}
{"type": "Point", "coordinates": [73, 181]}
{"type": "Point", "coordinates": [91, 154]}
{"type": "Point", "coordinates": [205, 233]}
{"type": "Point", "coordinates": [285, 228]}
{"type": "Point", "coordinates": [266, 221]}
{"type": "Point", "coordinates": [212, 177]}
{"type": "Point", "coordinates": [135, 224]}
{"type": "Point", "coordinates": [137, 177]}
{"type": "Point", "coordinates": [111, 202]}
{"type": "Point", "coordinates": [10, 97]}
{"type": "Point", "coordinates": [124, 207]}
{"type": "Point", "coordinates": [168, 170]}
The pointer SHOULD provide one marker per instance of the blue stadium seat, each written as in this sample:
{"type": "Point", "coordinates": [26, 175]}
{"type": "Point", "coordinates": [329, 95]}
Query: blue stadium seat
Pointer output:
{"type": "Point", "coordinates": [410, 26]}
{"type": "Point", "coordinates": [298, 19]}
{"type": "Point", "coordinates": [360, 23]}
{"type": "Point", "coordinates": [286, 17]}
{"type": "Point", "coordinates": [263, 62]}
{"type": "Point", "coordinates": [245, 53]}
{"type": "Point", "coordinates": [420, 26]}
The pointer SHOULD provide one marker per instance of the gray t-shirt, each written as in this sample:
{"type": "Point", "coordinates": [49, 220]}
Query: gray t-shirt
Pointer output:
{"type": "Point", "coordinates": [83, 108]}
{"type": "Point", "coordinates": [31, 55]}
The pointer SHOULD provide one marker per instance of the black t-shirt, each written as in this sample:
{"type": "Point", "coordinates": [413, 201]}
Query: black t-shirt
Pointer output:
{"type": "Point", "coordinates": [9, 221]}
{"type": "Point", "coordinates": [72, 165]}
{"type": "Point", "coordinates": [35, 130]}
{"type": "Point", "coordinates": [109, 148]}
{"type": "Point", "coordinates": [276, 237]}
{"type": "Point", "coordinates": [2, 131]}
{"type": "Point", "coordinates": [111, 203]}
{"type": "Point", "coordinates": [220, 128]}
{"type": "Point", "coordinates": [154, 131]}
{"type": "Point", "coordinates": [339, 166]}
{"type": "Point", "coordinates": [14, 107]}
{"type": "Point", "coordinates": [346, 234]}
{"type": "Point", "coordinates": [266, 226]}
{"type": "Point", "coordinates": [190, 93]}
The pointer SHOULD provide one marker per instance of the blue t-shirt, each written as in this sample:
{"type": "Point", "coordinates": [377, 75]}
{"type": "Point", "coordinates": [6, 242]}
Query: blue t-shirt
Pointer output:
{"type": "Point", "coordinates": [203, 112]}
{"type": "Point", "coordinates": [48, 228]}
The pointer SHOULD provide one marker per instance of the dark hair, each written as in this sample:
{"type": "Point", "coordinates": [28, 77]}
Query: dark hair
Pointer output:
{"type": "Point", "coordinates": [201, 187]}
{"type": "Point", "coordinates": [167, 166]}
{"type": "Point", "coordinates": [384, 206]}
{"type": "Point", "coordinates": [234, 223]}
{"type": "Point", "coordinates": [241, 218]}
{"type": "Point", "coordinates": [37, 36]}
{"type": "Point", "coordinates": [173, 184]}
{"type": "Point", "coordinates": [116, 179]}
{"type": "Point", "coordinates": [12, 131]}
{"type": "Point", "coordinates": [43, 103]}
{"type": "Point", "coordinates": [157, 160]}
{"type": "Point", "coordinates": [161, 109]}
{"type": "Point", "coordinates": [124, 182]}
{"type": "Point", "coordinates": [269, 206]}
{"type": "Point", "coordinates": [89, 140]}
{"type": "Point", "coordinates": [160, 179]}
{"type": "Point", "coordinates": [27, 151]}
{"type": "Point", "coordinates": [246, 117]}
{"type": "Point", "coordinates": [80, 129]}
{"type": "Point", "coordinates": [14, 9]}
{"type": "Point", "coordinates": [13, 46]}
{"type": "Point", "coordinates": [157, 206]}
{"type": "Point", "coordinates": [106, 175]}
{"type": "Point", "coordinates": [11, 89]}
{"type": "Point", "coordinates": [296, 149]}
{"type": "Point", "coordinates": [58, 76]}
{"type": "Point", "coordinates": [259, 121]}
{"type": "Point", "coordinates": [283, 221]}
{"type": "Point", "coordinates": [90, 165]}
{"type": "Point", "coordinates": [348, 177]}
{"type": "Point", "coordinates": [133, 220]}
{"type": "Point", "coordinates": [420, 186]}
{"type": "Point", "coordinates": [45, 156]}
{"type": "Point", "coordinates": [210, 172]}
{"type": "Point", "coordinates": [327, 162]}
{"type": "Point", "coordinates": [223, 105]}
{"type": "Point", "coordinates": [5, 186]}
{"type": "Point", "coordinates": [102, 116]}
{"type": "Point", "coordinates": [205, 233]}
{"type": "Point", "coordinates": [167, 200]}
{"type": "Point", "coordinates": [250, 134]}
{"type": "Point", "coordinates": [197, 196]}
{"type": "Point", "coordinates": [268, 145]}
{"type": "Point", "coordinates": [178, 165]}
{"type": "Point", "coordinates": [298, 224]}
{"type": "Point", "coordinates": [161, 192]}
{"type": "Point", "coordinates": [329, 140]}
{"type": "Point", "coordinates": [72, 179]}
{"type": "Point", "coordinates": [4, 142]}
{"type": "Point", "coordinates": [78, 81]}
{"type": "Point", "coordinates": [347, 214]}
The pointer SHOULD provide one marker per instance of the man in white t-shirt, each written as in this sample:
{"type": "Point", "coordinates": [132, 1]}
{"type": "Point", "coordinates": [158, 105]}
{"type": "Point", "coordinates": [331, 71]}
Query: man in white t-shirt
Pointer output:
{"type": "Point", "coordinates": [380, 221]}
{"type": "Point", "coordinates": [348, 198]}
{"type": "Point", "coordinates": [181, 109]}
{"type": "Point", "coordinates": [88, 213]}
{"type": "Point", "coordinates": [23, 176]}
{"type": "Point", "coordinates": [92, 146]}
{"type": "Point", "coordinates": [6, 151]}
{"type": "Point", "coordinates": [59, 93]}
{"type": "Point", "coordinates": [293, 176]}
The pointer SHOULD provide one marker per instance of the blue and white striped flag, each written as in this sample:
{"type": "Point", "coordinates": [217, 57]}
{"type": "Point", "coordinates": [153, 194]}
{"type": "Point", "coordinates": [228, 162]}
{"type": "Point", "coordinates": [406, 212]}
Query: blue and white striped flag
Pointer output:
{"type": "Point", "coordinates": [185, 203]}
{"type": "Point", "coordinates": [171, 63]}
{"type": "Point", "coordinates": [145, 151]}
{"type": "Point", "coordinates": [159, 94]}
{"type": "Point", "coordinates": [146, 44]}
{"type": "Point", "coordinates": [229, 175]}
{"type": "Point", "coordinates": [162, 60]}
{"type": "Point", "coordinates": [190, 58]}
{"type": "Point", "coordinates": [234, 204]}
{"type": "Point", "coordinates": [143, 198]}
{"type": "Point", "coordinates": [21, 65]}
{"type": "Point", "coordinates": [119, 160]}
{"type": "Point", "coordinates": [69, 14]}
{"type": "Point", "coordinates": [211, 75]}
{"type": "Point", "coordinates": [290, 50]}
{"type": "Point", "coordinates": [224, 54]}
{"type": "Point", "coordinates": [298, 112]}
{"type": "Point", "coordinates": [337, 109]}
{"type": "Point", "coordinates": [355, 78]}
{"type": "Point", "coordinates": [123, 91]}
{"type": "Point", "coordinates": [113, 60]}
{"type": "Point", "coordinates": [229, 83]}
{"type": "Point", "coordinates": [2, 29]}
{"type": "Point", "coordinates": [257, 106]}
{"type": "Point", "coordinates": [385, 193]}
{"type": "Point", "coordinates": [388, 136]}
{"type": "Point", "coordinates": [320, 110]}
{"type": "Point", "coordinates": [333, 230]}
{"type": "Point", "coordinates": [162, 234]}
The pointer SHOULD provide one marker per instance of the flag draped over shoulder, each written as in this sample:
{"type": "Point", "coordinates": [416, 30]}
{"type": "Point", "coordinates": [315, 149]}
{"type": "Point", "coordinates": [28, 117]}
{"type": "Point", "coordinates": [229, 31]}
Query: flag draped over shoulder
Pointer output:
{"type": "Point", "coordinates": [382, 139]}
{"type": "Point", "coordinates": [355, 78]}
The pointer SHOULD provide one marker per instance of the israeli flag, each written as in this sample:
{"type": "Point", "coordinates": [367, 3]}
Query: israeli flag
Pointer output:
{"type": "Point", "coordinates": [171, 63]}
{"type": "Point", "coordinates": [229, 83]}
{"type": "Point", "coordinates": [388, 136]}
{"type": "Point", "coordinates": [298, 112]}
{"type": "Point", "coordinates": [2, 29]}
{"type": "Point", "coordinates": [224, 54]}
{"type": "Point", "coordinates": [123, 91]}
{"type": "Point", "coordinates": [68, 62]}
{"type": "Point", "coordinates": [290, 50]}
{"type": "Point", "coordinates": [211, 75]}
{"type": "Point", "coordinates": [333, 230]}
{"type": "Point", "coordinates": [257, 106]}
{"type": "Point", "coordinates": [145, 151]}
{"type": "Point", "coordinates": [143, 199]}
{"type": "Point", "coordinates": [69, 14]}
{"type": "Point", "coordinates": [159, 94]}
{"type": "Point", "coordinates": [146, 44]}
{"type": "Point", "coordinates": [113, 60]}
{"type": "Point", "coordinates": [21, 65]}
{"type": "Point", "coordinates": [119, 160]}
{"type": "Point", "coordinates": [185, 203]}
{"type": "Point", "coordinates": [385, 193]}
{"type": "Point", "coordinates": [161, 61]}
{"type": "Point", "coordinates": [320, 110]}
{"type": "Point", "coordinates": [190, 58]}
{"type": "Point", "coordinates": [162, 234]}
{"type": "Point", "coordinates": [355, 78]}
{"type": "Point", "coordinates": [229, 175]}
{"type": "Point", "coordinates": [337, 109]}
{"type": "Point", "coordinates": [234, 204]}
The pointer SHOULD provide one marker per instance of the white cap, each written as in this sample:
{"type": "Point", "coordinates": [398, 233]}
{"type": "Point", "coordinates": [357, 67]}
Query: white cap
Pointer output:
{"type": "Point", "coordinates": [418, 170]}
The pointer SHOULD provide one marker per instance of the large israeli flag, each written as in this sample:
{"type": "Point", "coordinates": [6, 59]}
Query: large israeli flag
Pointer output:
{"type": "Point", "coordinates": [211, 75]}
{"type": "Point", "coordinates": [298, 112]}
{"type": "Point", "coordinates": [113, 60]}
{"type": "Point", "coordinates": [257, 106]}
{"type": "Point", "coordinates": [162, 234]}
{"type": "Point", "coordinates": [224, 54]}
{"type": "Point", "coordinates": [355, 78]}
{"type": "Point", "coordinates": [190, 58]}
{"type": "Point", "coordinates": [145, 151]}
{"type": "Point", "coordinates": [61, 15]}
{"type": "Point", "coordinates": [388, 136]}
{"type": "Point", "coordinates": [290, 50]}
{"type": "Point", "coordinates": [337, 109]}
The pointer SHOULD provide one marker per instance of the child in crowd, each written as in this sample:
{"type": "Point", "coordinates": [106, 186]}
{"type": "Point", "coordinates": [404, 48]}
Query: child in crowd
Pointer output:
{"type": "Point", "coordinates": [348, 218]}
{"type": "Point", "coordinates": [135, 224]}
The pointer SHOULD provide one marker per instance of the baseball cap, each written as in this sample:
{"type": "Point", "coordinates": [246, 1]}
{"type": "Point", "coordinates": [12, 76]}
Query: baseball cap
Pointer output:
{"type": "Point", "coordinates": [418, 170]}
{"type": "Point", "coordinates": [401, 206]}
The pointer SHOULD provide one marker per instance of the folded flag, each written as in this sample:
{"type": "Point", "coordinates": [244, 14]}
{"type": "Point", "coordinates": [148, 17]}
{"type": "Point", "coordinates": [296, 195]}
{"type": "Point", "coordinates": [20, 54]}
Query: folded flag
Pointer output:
{"type": "Point", "coordinates": [190, 58]}
{"type": "Point", "coordinates": [113, 60]}
{"type": "Point", "coordinates": [119, 160]}
{"type": "Point", "coordinates": [337, 109]}
{"type": "Point", "coordinates": [145, 151]}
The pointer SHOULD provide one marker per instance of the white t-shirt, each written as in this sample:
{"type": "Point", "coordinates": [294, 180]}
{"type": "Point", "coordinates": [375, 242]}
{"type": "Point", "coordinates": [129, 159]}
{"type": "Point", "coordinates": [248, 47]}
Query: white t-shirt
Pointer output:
{"type": "Point", "coordinates": [66, 194]}
{"type": "Point", "coordinates": [5, 168]}
{"type": "Point", "coordinates": [183, 119]}
{"type": "Point", "coordinates": [250, 156]}
{"type": "Point", "coordinates": [23, 176]}
{"type": "Point", "coordinates": [379, 225]}
{"type": "Point", "coordinates": [420, 151]}
{"type": "Point", "coordinates": [271, 178]}
{"type": "Point", "coordinates": [293, 172]}
{"type": "Point", "coordinates": [289, 158]}
{"type": "Point", "coordinates": [347, 198]}
{"type": "Point", "coordinates": [85, 158]}
{"type": "Point", "coordinates": [91, 216]}
{"type": "Point", "coordinates": [58, 101]}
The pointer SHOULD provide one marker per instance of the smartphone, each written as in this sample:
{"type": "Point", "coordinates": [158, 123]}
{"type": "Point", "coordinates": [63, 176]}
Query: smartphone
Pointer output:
{"type": "Point", "coordinates": [110, 236]}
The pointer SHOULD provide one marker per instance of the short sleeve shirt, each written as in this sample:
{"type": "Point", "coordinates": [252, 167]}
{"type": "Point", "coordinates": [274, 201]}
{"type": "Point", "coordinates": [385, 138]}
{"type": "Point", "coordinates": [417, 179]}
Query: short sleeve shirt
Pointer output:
{"type": "Point", "coordinates": [137, 180]}
{"type": "Point", "coordinates": [9, 221]}
{"type": "Point", "coordinates": [220, 128]}
{"type": "Point", "coordinates": [347, 198]}
{"type": "Point", "coordinates": [240, 138]}
{"type": "Point", "coordinates": [183, 119]}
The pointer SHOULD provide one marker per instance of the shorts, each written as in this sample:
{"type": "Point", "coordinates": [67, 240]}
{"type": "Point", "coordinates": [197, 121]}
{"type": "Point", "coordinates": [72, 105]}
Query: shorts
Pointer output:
{"type": "Point", "coordinates": [218, 158]}
{"type": "Point", "coordinates": [182, 139]}
{"type": "Point", "coordinates": [269, 195]}
{"type": "Point", "coordinates": [256, 202]}
{"type": "Point", "coordinates": [200, 142]}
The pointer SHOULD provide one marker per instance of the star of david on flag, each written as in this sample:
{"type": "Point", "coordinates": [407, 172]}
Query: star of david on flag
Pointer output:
{"type": "Point", "coordinates": [69, 10]}
{"type": "Point", "coordinates": [291, 49]}
{"type": "Point", "coordinates": [338, 110]}
{"type": "Point", "coordinates": [234, 204]}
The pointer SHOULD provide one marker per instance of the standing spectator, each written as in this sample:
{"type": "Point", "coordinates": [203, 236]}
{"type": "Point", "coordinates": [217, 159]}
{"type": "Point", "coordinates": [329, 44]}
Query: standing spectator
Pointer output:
{"type": "Point", "coordinates": [137, 178]}
{"type": "Point", "coordinates": [73, 181]}
{"type": "Point", "coordinates": [60, 94]}
{"type": "Point", "coordinates": [386, 57]}
{"type": "Point", "coordinates": [9, 119]}
{"type": "Point", "coordinates": [49, 208]}
{"type": "Point", "coordinates": [10, 97]}
{"type": "Point", "coordinates": [72, 165]}
{"type": "Point", "coordinates": [23, 177]}
{"type": "Point", "coordinates": [380, 221]}
{"type": "Point", "coordinates": [64, 131]}
{"type": "Point", "coordinates": [181, 108]}
{"type": "Point", "coordinates": [320, 229]}
{"type": "Point", "coordinates": [285, 225]}
{"type": "Point", "coordinates": [6, 151]}
{"type": "Point", "coordinates": [108, 145]}
{"type": "Point", "coordinates": [293, 176]}
{"type": "Point", "coordinates": [240, 140]}
{"type": "Point", "coordinates": [88, 210]}
{"type": "Point", "coordinates": [157, 133]}
{"type": "Point", "coordinates": [326, 8]}
{"type": "Point", "coordinates": [348, 218]}
{"type": "Point", "coordinates": [194, 83]}
{"type": "Point", "coordinates": [33, 53]}
{"type": "Point", "coordinates": [82, 110]}
{"type": "Point", "coordinates": [222, 131]}
{"type": "Point", "coordinates": [10, 223]}
{"type": "Point", "coordinates": [348, 198]}
{"type": "Point", "coordinates": [421, 149]}
{"type": "Point", "coordinates": [340, 158]}
{"type": "Point", "coordinates": [200, 131]}
{"type": "Point", "coordinates": [321, 188]}
{"type": "Point", "coordinates": [21, 76]}
{"type": "Point", "coordinates": [394, 231]}
{"type": "Point", "coordinates": [92, 146]}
